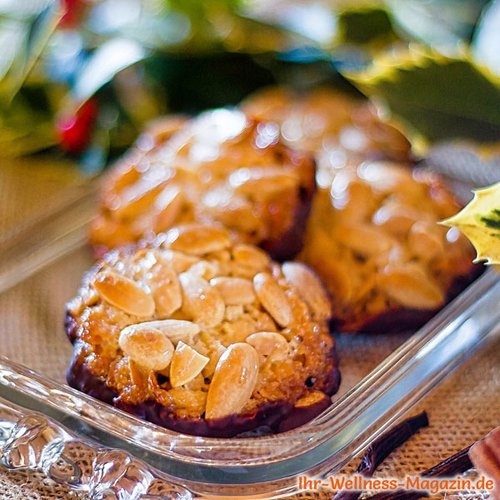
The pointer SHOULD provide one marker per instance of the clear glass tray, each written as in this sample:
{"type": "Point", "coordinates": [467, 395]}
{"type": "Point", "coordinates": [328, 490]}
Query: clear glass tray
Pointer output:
{"type": "Point", "coordinates": [41, 264]}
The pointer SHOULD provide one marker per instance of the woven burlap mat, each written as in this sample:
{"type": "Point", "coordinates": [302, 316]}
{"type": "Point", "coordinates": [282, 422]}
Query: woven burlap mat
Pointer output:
{"type": "Point", "coordinates": [461, 409]}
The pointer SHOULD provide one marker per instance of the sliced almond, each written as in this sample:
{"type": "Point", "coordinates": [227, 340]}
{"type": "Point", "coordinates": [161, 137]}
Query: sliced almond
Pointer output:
{"type": "Point", "coordinates": [397, 254]}
{"type": "Point", "coordinates": [128, 174]}
{"type": "Point", "coordinates": [387, 177]}
{"type": "Point", "coordinates": [175, 329]}
{"type": "Point", "coordinates": [239, 271]}
{"type": "Point", "coordinates": [124, 293]}
{"type": "Point", "coordinates": [233, 382]}
{"type": "Point", "coordinates": [168, 204]}
{"type": "Point", "coordinates": [273, 298]}
{"type": "Point", "coordinates": [269, 344]}
{"type": "Point", "coordinates": [395, 218]}
{"type": "Point", "coordinates": [352, 198]}
{"type": "Point", "coordinates": [410, 287]}
{"type": "Point", "coordinates": [251, 257]}
{"type": "Point", "coordinates": [201, 301]}
{"type": "Point", "coordinates": [424, 240]}
{"type": "Point", "coordinates": [309, 287]}
{"type": "Point", "coordinates": [363, 239]}
{"type": "Point", "coordinates": [197, 239]}
{"type": "Point", "coordinates": [234, 291]}
{"type": "Point", "coordinates": [166, 290]}
{"type": "Point", "coordinates": [204, 269]}
{"type": "Point", "coordinates": [215, 352]}
{"type": "Point", "coordinates": [138, 198]}
{"type": "Point", "coordinates": [146, 346]}
{"type": "Point", "coordinates": [186, 364]}
{"type": "Point", "coordinates": [262, 182]}
{"type": "Point", "coordinates": [237, 214]}
{"type": "Point", "coordinates": [178, 260]}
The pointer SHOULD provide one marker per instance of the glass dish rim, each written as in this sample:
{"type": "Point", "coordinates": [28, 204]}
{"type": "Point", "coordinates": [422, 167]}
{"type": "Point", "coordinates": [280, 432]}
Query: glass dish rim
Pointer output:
{"type": "Point", "coordinates": [313, 435]}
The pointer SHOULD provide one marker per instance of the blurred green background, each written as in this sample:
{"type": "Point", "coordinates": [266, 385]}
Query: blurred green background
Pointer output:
{"type": "Point", "coordinates": [81, 77]}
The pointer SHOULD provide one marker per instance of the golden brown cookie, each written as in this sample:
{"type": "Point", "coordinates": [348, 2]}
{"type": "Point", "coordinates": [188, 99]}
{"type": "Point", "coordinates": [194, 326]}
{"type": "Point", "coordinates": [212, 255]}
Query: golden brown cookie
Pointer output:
{"type": "Point", "coordinates": [375, 240]}
{"type": "Point", "coordinates": [204, 335]}
{"type": "Point", "coordinates": [219, 167]}
{"type": "Point", "coordinates": [340, 130]}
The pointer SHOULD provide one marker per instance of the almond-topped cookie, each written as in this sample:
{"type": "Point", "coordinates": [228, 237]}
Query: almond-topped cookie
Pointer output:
{"type": "Point", "coordinates": [220, 167]}
{"type": "Point", "coordinates": [375, 240]}
{"type": "Point", "coordinates": [204, 335]}
{"type": "Point", "coordinates": [340, 130]}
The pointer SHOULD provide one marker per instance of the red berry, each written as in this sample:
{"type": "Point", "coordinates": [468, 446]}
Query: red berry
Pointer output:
{"type": "Point", "coordinates": [74, 11]}
{"type": "Point", "coordinates": [75, 130]}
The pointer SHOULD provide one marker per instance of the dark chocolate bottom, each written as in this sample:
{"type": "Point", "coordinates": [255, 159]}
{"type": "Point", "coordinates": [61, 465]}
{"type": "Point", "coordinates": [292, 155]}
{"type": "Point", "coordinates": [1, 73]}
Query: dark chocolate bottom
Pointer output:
{"type": "Point", "coordinates": [401, 320]}
{"type": "Point", "coordinates": [276, 416]}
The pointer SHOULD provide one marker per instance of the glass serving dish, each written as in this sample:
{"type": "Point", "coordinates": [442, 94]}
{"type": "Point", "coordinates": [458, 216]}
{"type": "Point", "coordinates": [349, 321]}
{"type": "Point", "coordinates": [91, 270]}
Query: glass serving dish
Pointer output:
{"type": "Point", "coordinates": [41, 264]}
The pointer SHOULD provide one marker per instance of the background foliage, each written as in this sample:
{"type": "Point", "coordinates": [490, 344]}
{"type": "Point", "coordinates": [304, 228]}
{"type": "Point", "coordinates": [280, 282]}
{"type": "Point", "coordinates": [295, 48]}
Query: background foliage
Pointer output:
{"type": "Point", "coordinates": [81, 77]}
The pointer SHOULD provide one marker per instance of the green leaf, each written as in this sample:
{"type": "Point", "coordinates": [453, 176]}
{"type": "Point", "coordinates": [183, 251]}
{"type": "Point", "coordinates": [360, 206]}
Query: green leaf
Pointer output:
{"type": "Point", "coordinates": [365, 25]}
{"type": "Point", "coordinates": [480, 222]}
{"type": "Point", "coordinates": [439, 97]}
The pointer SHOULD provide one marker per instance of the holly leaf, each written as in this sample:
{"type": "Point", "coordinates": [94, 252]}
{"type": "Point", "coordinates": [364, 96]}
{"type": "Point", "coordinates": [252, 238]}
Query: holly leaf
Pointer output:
{"type": "Point", "coordinates": [480, 222]}
{"type": "Point", "coordinates": [439, 97]}
{"type": "Point", "coordinates": [364, 25]}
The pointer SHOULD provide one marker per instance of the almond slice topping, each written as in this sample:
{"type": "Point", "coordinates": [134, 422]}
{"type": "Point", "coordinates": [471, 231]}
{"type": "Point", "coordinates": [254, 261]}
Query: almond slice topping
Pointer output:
{"type": "Point", "coordinates": [395, 218]}
{"type": "Point", "coordinates": [424, 240]}
{"type": "Point", "coordinates": [138, 198]}
{"type": "Point", "coordinates": [269, 344]}
{"type": "Point", "coordinates": [167, 293]}
{"type": "Point", "coordinates": [175, 329]}
{"type": "Point", "coordinates": [186, 364]}
{"type": "Point", "coordinates": [386, 176]}
{"type": "Point", "coordinates": [364, 239]}
{"type": "Point", "coordinates": [178, 260]}
{"type": "Point", "coordinates": [262, 182]}
{"type": "Point", "coordinates": [168, 204]}
{"type": "Point", "coordinates": [201, 302]}
{"type": "Point", "coordinates": [410, 287]}
{"type": "Point", "coordinates": [233, 382]}
{"type": "Point", "coordinates": [234, 291]}
{"type": "Point", "coordinates": [124, 293]}
{"type": "Point", "coordinates": [197, 239]}
{"type": "Point", "coordinates": [273, 298]}
{"type": "Point", "coordinates": [309, 287]}
{"type": "Point", "coordinates": [204, 269]}
{"type": "Point", "coordinates": [250, 256]}
{"type": "Point", "coordinates": [146, 346]}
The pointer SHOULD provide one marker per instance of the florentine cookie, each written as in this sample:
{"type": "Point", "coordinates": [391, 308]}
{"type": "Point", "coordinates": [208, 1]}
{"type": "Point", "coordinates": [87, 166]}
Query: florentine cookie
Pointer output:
{"type": "Point", "coordinates": [219, 167]}
{"type": "Point", "coordinates": [374, 239]}
{"type": "Point", "coordinates": [203, 335]}
{"type": "Point", "coordinates": [340, 130]}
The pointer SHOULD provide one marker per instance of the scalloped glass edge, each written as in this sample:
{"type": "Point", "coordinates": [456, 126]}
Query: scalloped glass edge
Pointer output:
{"type": "Point", "coordinates": [211, 465]}
{"type": "Point", "coordinates": [32, 441]}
